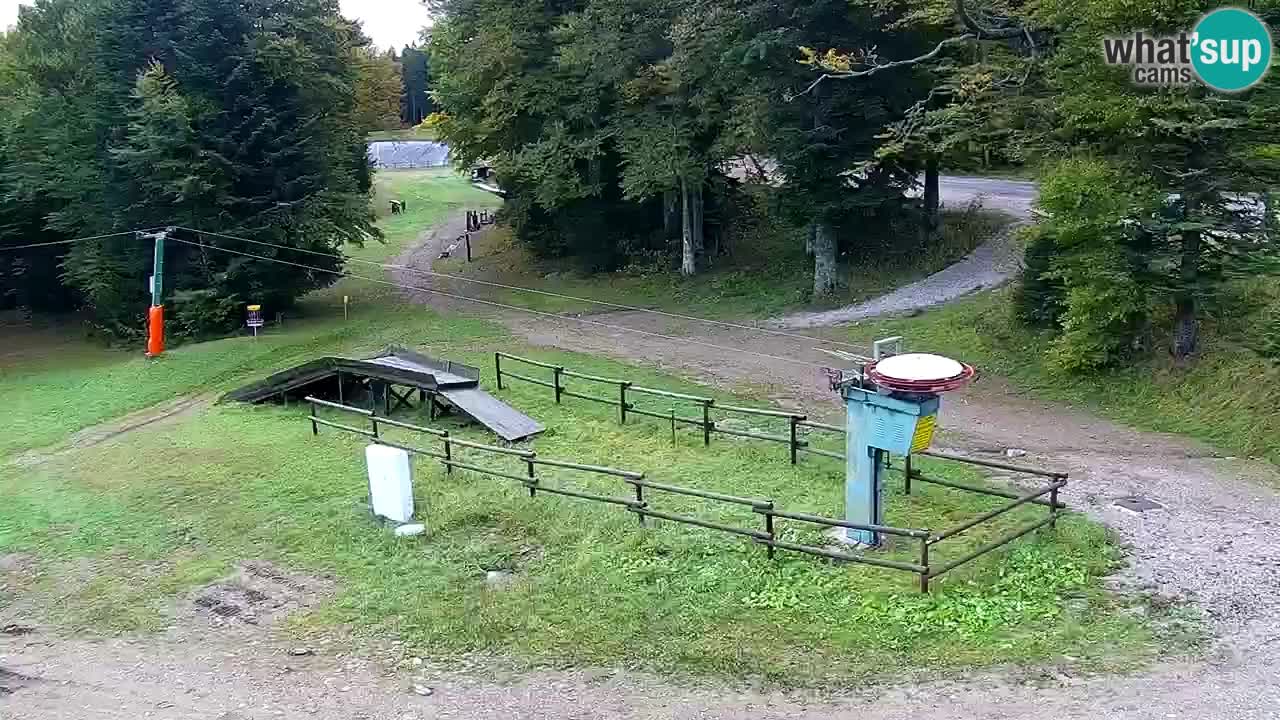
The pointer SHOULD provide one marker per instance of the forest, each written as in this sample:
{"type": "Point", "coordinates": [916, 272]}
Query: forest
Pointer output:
{"type": "Point", "coordinates": [628, 129]}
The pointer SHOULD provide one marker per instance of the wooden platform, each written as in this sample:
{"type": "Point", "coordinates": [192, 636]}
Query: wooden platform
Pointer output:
{"type": "Point", "coordinates": [391, 380]}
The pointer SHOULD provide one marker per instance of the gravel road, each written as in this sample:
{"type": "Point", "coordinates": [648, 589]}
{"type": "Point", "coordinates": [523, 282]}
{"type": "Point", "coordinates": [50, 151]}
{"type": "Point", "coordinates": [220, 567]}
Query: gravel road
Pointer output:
{"type": "Point", "coordinates": [1214, 542]}
{"type": "Point", "coordinates": [991, 265]}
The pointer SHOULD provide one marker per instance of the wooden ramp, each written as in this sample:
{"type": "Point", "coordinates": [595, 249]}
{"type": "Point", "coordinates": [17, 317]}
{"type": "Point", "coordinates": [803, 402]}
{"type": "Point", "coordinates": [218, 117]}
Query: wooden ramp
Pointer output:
{"type": "Point", "coordinates": [509, 424]}
{"type": "Point", "coordinates": [390, 381]}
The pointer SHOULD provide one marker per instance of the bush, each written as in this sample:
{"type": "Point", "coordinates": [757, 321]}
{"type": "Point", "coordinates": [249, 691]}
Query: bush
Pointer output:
{"type": "Point", "coordinates": [1039, 298]}
{"type": "Point", "coordinates": [1089, 247]}
{"type": "Point", "coordinates": [200, 314]}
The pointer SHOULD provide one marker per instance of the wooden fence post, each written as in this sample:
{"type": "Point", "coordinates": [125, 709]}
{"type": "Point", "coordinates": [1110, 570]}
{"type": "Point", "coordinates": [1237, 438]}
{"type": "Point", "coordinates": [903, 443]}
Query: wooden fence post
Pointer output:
{"type": "Point", "coordinates": [795, 447]}
{"type": "Point", "coordinates": [768, 528]}
{"type": "Point", "coordinates": [448, 455]}
{"type": "Point", "coordinates": [706, 424]}
{"type": "Point", "coordinates": [924, 563]}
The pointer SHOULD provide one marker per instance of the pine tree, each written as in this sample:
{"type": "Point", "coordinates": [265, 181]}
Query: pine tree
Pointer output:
{"type": "Point", "coordinates": [416, 103]}
{"type": "Point", "coordinates": [235, 117]}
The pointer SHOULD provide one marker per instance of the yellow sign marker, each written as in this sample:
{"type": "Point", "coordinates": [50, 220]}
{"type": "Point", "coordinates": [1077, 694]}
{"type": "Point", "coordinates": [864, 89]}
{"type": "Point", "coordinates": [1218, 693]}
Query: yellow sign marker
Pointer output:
{"type": "Point", "coordinates": [924, 433]}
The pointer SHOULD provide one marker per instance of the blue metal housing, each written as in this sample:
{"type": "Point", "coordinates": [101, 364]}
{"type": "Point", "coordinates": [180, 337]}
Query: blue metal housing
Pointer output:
{"type": "Point", "coordinates": [876, 424]}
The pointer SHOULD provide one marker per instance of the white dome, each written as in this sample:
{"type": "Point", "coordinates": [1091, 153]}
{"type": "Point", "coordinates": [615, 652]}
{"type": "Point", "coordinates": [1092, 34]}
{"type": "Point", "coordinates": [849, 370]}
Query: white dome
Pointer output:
{"type": "Point", "coordinates": [919, 367]}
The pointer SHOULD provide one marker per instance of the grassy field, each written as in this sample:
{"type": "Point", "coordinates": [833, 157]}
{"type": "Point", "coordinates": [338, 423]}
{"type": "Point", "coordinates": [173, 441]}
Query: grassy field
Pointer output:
{"type": "Point", "coordinates": [74, 384]}
{"type": "Point", "coordinates": [766, 275]}
{"type": "Point", "coordinates": [124, 530]}
{"type": "Point", "coordinates": [141, 520]}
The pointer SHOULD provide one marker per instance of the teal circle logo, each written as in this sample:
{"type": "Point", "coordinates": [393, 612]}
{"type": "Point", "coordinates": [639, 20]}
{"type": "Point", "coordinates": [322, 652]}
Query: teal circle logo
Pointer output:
{"type": "Point", "coordinates": [1231, 49]}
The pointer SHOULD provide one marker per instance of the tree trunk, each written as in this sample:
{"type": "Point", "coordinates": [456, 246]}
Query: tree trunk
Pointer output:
{"type": "Point", "coordinates": [692, 228]}
{"type": "Point", "coordinates": [932, 204]}
{"type": "Point", "coordinates": [1186, 325]}
{"type": "Point", "coordinates": [824, 260]}
{"type": "Point", "coordinates": [670, 214]}
{"type": "Point", "coordinates": [699, 229]}
{"type": "Point", "coordinates": [809, 233]}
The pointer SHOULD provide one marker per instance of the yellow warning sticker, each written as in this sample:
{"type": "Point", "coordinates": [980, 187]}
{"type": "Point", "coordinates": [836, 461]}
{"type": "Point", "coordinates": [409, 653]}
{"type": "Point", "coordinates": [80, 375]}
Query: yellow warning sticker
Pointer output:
{"type": "Point", "coordinates": [924, 433]}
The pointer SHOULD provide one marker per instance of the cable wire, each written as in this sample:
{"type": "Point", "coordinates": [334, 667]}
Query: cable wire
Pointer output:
{"type": "Point", "coordinates": [504, 306]}
{"type": "Point", "coordinates": [604, 303]}
{"type": "Point", "coordinates": [72, 240]}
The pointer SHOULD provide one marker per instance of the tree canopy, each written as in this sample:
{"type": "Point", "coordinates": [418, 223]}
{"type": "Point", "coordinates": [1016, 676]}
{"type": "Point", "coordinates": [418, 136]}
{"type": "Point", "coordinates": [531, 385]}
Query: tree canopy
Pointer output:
{"type": "Point", "coordinates": [234, 117]}
{"type": "Point", "coordinates": [608, 114]}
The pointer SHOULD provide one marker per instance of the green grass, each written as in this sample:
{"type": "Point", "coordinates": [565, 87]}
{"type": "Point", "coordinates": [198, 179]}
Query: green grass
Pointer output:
{"type": "Point", "coordinates": [122, 531]}
{"type": "Point", "coordinates": [430, 195]}
{"type": "Point", "coordinates": [765, 276]}
{"type": "Point", "coordinates": [1205, 398]}
{"type": "Point", "coordinates": [58, 386]}
{"type": "Point", "coordinates": [168, 509]}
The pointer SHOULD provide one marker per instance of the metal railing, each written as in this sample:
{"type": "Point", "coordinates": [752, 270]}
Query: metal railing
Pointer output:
{"type": "Point", "coordinates": [622, 395]}
{"type": "Point", "coordinates": [639, 504]}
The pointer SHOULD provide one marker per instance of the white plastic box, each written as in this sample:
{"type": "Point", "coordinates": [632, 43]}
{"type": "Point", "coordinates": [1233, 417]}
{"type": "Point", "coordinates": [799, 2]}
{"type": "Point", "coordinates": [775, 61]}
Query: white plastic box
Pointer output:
{"type": "Point", "coordinates": [390, 483]}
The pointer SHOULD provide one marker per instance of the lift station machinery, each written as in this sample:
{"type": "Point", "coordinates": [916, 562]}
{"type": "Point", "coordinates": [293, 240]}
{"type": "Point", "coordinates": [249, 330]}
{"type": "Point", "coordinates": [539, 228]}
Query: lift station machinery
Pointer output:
{"type": "Point", "coordinates": [892, 402]}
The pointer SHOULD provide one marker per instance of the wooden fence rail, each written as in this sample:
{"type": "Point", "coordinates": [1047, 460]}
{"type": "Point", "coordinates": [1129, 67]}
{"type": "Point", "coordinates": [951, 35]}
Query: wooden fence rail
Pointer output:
{"type": "Point", "coordinates": [639, 504]}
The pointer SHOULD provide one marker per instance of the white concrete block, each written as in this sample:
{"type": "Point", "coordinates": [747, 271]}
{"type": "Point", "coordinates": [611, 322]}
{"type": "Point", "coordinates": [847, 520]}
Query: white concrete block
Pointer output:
{"type": "Point", "coordinates": [390, 483]}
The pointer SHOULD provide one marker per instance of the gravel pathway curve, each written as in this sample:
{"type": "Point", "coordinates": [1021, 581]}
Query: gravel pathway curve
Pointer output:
{"type": "Point", "coordinates": [994, 263]}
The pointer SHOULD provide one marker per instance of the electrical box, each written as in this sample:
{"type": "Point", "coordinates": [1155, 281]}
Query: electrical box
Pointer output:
{"type": "Point", "coordinates": [390, 483]}
{"type": "Point", "coordinates": [898, 426]}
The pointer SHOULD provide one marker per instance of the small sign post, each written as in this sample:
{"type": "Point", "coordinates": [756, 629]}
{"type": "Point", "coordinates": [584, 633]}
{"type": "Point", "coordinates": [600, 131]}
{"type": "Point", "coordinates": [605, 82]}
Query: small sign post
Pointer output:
{"type": "Point", "coordinates": [255, 318]}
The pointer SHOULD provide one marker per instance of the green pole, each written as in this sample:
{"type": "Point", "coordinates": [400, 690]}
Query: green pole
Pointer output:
{"type": "Point", "coordinates": [157, 272]}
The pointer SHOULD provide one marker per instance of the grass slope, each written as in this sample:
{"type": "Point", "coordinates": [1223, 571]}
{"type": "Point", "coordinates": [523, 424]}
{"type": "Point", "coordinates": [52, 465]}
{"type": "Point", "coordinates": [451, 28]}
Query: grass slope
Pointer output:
{"type": "Point", "coordinates": [124, 529]}
{"type": "Point", "coordinates": [592, 587]}
{"type": "Point", "coordinates": [72, 385]}
{"type": "Point", "coordinates": [1226, 396]}
{"type": "Point", "coordinates": [766, 274]}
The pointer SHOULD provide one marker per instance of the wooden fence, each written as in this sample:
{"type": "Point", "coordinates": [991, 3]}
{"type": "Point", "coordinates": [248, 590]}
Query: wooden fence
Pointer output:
{"type": "Point", "coordinates": [622, 395]}
{"type": "Point", "coordinates": [527, 474]}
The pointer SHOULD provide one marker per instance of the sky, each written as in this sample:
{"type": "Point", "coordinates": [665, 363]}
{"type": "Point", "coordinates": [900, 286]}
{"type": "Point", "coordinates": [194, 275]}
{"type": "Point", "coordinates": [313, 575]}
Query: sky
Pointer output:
{"type": "Point", "coordinates": [391, 23]}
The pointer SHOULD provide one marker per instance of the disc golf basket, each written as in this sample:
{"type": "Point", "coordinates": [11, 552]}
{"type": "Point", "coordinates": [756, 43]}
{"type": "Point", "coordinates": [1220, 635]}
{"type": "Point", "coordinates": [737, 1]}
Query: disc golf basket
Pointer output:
{"type": "Point", "coordinates": [255, 321]}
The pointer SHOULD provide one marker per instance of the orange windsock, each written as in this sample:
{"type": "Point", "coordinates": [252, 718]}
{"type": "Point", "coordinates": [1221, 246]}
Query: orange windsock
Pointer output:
{"type": "Point", "coordinates": [155, 331]}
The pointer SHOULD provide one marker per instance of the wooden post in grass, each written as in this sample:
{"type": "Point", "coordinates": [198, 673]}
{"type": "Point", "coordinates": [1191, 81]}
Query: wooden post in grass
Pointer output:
{"type": "Point", "coordinates": [706, 423]}
{"type": "Point", "coordinates": [795, 445]}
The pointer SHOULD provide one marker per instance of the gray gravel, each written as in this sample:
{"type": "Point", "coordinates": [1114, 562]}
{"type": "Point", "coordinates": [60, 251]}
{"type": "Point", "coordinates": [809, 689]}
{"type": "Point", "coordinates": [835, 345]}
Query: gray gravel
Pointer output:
{"type": "Point", "coordinates": [993, 264]}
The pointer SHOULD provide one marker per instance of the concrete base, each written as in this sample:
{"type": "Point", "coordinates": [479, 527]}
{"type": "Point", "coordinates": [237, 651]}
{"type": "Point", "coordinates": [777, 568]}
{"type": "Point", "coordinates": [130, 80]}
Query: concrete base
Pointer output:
{"type": "Point", "coordinates": [841, 536]}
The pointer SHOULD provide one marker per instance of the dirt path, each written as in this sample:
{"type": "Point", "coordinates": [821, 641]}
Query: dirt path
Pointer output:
{"type": "Point", "coordinates": [994, 263]}
{"type": "Point", "coordinates": [1215, 542]}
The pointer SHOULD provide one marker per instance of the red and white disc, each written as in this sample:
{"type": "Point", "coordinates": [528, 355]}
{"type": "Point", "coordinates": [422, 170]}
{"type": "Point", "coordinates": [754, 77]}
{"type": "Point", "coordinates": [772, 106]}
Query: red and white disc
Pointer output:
{"type": "Point", "coordinates": [920, 373]}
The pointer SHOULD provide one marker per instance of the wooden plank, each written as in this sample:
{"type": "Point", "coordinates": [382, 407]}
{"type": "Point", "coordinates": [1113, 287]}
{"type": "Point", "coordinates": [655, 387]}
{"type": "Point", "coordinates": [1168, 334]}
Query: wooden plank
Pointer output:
{"type": "Point", "coordinates": [509, 424]}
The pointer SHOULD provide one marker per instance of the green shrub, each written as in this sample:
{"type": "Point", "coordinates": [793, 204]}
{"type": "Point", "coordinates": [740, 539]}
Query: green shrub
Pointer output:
{"type": "Point", "coordinates": [1039, 297]}
{"type": "Point", "coordinates": [1091, 247]}
{"type": "Point", "coordinates": [201, 314]}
